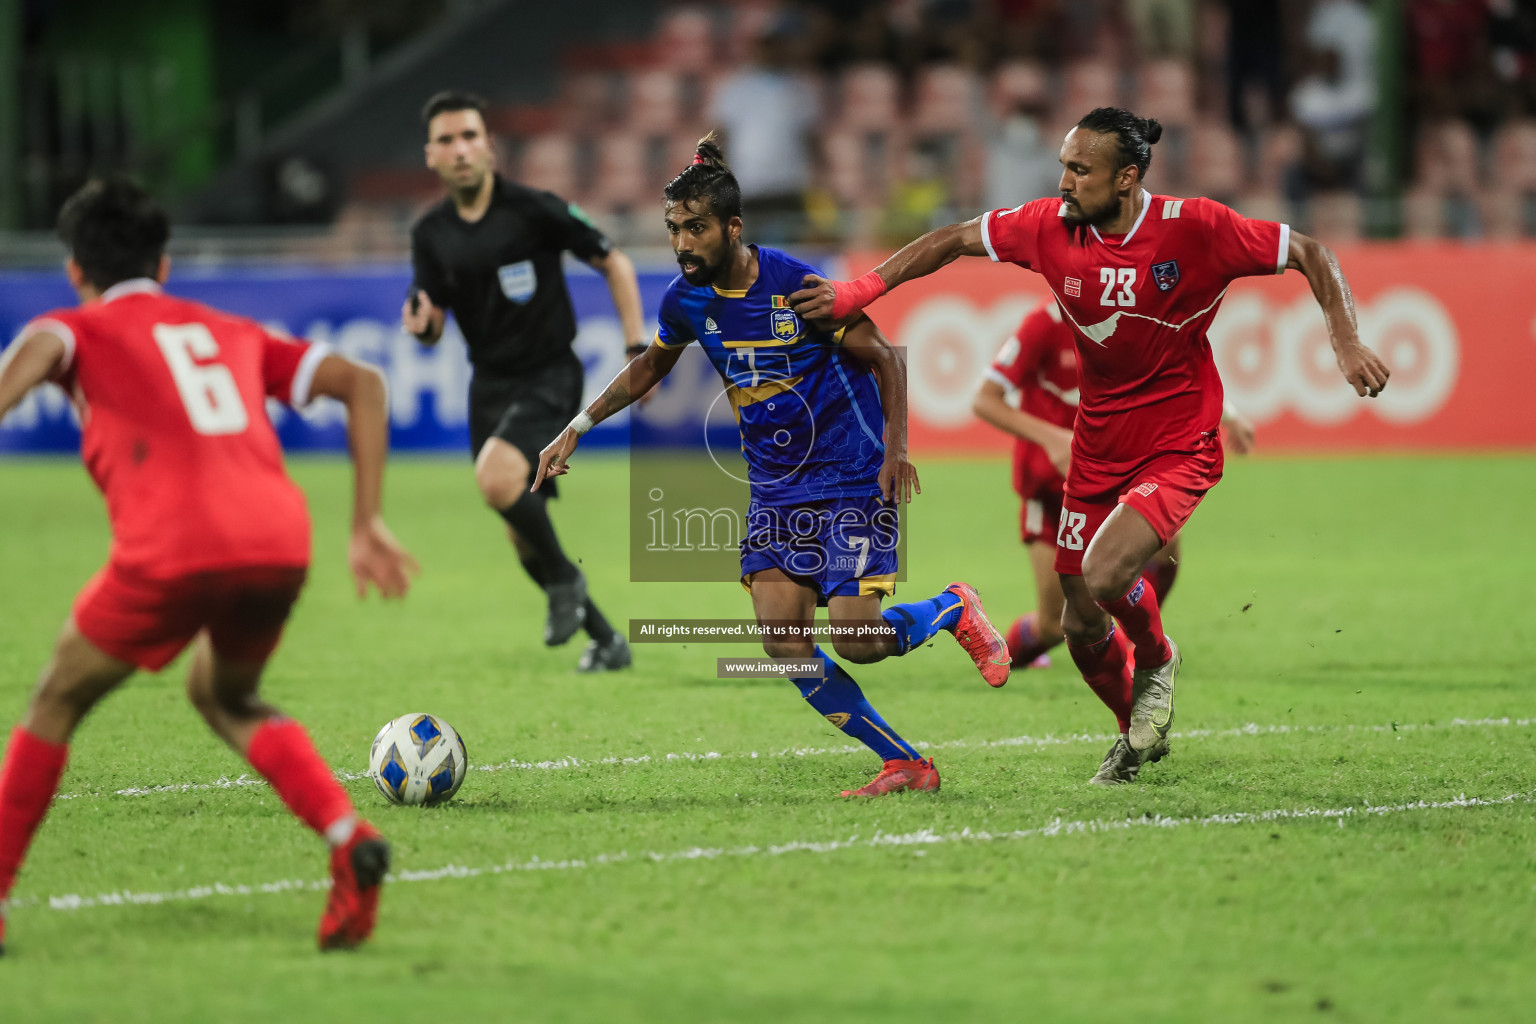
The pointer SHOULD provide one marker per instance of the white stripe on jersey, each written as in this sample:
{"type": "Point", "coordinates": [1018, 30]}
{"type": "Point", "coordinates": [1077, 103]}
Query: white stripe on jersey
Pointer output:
{"type": "Point", "coordinates": [1285, 249]}
{"type": "Point", "coordinates": [1098, 332]}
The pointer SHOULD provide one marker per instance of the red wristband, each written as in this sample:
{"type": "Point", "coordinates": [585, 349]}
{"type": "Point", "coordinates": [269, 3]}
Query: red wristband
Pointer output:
{"type": "Point", "coordinates": [852, 296]}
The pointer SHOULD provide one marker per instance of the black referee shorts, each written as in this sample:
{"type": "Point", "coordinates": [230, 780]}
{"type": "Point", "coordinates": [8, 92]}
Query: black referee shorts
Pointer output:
{"type": "Point", "coordinates": [527, 411]}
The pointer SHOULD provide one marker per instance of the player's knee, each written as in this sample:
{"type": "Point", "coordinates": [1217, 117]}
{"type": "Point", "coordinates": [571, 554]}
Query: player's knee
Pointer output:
{"type": "Point", "coordinates": [1107, 580]}
{"type": "Point", "coordinates": [787, 648]}
{"type": "Point", "coordinates": [1080, 627]}
{"type": "Point", "coordinates": [501, 473]}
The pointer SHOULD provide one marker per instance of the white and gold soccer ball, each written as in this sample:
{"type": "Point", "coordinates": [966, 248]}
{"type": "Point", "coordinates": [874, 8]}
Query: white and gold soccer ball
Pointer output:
{"type": "Point", "coordinates": [417, 760]}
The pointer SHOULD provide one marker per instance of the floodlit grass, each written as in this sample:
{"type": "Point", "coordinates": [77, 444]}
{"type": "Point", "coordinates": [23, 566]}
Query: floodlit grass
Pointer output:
{"type": "Point", "coordinates": [1366, 616]}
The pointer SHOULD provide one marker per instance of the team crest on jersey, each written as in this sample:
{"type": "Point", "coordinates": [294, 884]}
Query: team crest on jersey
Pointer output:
{"type": "Point", "coordinates": [786, 325]}
{"type": "Point", "coordinates": [1166, 275]}
{"type": "Point", "coordinates": [518, 281]}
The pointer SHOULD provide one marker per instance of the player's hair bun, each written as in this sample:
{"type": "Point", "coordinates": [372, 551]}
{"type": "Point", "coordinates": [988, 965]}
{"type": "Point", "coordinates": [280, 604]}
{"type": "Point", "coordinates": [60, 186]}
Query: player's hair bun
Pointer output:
{"type": "Point", "coordinates": [710, 153]}
{"type": "Point", "coordinates": [1151, 129]}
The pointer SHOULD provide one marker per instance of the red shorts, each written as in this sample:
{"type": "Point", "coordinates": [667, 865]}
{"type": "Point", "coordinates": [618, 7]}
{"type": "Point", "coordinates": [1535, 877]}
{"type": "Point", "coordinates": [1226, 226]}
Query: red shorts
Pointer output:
{"type": "Point", "coordinates": [149, 622]}
{"type": "Point", "coordinates": [1039, 516]}
{"type": "Point", "coordinates": [1165, 490]}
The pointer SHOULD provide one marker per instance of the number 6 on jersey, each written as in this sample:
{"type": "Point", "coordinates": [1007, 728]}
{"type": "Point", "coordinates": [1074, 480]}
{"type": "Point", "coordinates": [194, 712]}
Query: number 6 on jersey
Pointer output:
{"type": "Point", "coordinates": [208, 390]}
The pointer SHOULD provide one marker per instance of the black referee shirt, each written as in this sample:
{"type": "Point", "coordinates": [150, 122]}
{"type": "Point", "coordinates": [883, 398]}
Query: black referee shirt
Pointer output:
{"type": "Point", "coordinates": [501, 276]}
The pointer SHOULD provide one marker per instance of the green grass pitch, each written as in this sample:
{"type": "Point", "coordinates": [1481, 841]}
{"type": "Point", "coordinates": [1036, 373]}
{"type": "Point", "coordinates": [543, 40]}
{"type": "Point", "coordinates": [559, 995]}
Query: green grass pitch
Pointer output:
{"type": "Point", "coordinates": [1357, 645]}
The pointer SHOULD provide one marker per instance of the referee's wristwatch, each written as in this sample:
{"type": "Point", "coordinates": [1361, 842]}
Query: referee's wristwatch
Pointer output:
{"type": "Point", "coordinates": [635, 348]}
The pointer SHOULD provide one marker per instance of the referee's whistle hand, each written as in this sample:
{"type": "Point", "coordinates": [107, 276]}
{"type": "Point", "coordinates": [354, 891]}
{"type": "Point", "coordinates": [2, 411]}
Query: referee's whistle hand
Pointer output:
{"type": "Point", "coordinates": [552, 460]}
{"type": "Point", "coordinates": [416, 314]}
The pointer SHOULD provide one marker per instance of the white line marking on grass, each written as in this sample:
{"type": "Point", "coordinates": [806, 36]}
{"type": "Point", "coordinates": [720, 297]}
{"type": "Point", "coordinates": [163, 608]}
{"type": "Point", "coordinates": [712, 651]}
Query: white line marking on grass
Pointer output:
{"type": "Point", "coordinates": [1070, 739]}
{"type": "Point", "coordinates": [880, 840]}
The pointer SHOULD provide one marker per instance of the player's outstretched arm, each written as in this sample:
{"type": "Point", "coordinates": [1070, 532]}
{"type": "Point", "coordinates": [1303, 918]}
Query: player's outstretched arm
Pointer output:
{"type": "Point", "coordinates": [376, 557]}
{"type": "Point", "coordinates": [991, 407]}
{"type": "Point", "coordinates": [29, 362]}
{"type": "Point", "coordinates": [642, 374]}
{"type": "Point", "coordinates": [618, 271]}
{"type": "Point", "coordinates": [863, 340]}
{"type": "Point", "coordinates": [1361, 367]}
{"type": "Point", "coordinates": [836, 301]}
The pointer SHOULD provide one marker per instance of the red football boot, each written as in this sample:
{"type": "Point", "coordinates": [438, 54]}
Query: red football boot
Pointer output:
{"type": "Point", "coordinates": [357, 873]}
{"type": "Point", "coordinates": [899, 775]}
{"type": "Point", "coordinates": [979, 637]}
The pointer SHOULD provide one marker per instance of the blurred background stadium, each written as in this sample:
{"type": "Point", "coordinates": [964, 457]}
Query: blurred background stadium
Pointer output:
{"type": "Point", "coordinates": [1401, 131]}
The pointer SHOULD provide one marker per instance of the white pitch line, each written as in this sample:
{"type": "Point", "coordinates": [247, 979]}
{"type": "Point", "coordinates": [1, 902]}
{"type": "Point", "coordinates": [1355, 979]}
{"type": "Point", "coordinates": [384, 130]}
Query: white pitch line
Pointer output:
{"type": "Point", "coordinates": [571, 761]}
{"type": "Point", "coordinates": [880, 840]}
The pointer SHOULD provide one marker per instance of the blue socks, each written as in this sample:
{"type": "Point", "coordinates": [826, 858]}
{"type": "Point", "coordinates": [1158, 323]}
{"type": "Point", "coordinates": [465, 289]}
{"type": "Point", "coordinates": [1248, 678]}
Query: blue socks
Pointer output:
{"type": "Point", "coordinates": [917, 622]}
{"type": "Point", "coordinates": [840, 701]}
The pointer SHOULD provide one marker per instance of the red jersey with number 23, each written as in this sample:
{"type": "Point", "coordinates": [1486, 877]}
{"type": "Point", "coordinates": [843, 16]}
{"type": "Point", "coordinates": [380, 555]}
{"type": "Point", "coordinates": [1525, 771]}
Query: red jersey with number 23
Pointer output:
{"type": "Point", "coordinates": [1139, 306]}
{"type": "Point", "coordinates": [172, 402]}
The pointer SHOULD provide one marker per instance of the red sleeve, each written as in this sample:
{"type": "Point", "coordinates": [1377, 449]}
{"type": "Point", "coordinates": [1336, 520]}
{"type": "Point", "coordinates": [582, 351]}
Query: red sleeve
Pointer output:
{"type": "Point", "coordinates": [1023, 352]}
{"type": "Point", "coordinates": [1240, 247]}
{"type": "Point", "coordinates": [288, 367]}
{"type": "Point", "coordinates": [62, 323]}
{"type": "Point", "coordinates": [1013, 236]}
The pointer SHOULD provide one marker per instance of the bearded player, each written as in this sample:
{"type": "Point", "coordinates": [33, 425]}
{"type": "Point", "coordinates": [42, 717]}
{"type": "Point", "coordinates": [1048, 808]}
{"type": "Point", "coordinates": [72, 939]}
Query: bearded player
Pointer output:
{"type": "Point", "coordinates": [210, 539]}
{"type": "Point", "coordinates": [822, 415]}
{"type": "Point", "coordinates": [1138, 277]}
{"type": "Point", "coordinates": [1031, 393]}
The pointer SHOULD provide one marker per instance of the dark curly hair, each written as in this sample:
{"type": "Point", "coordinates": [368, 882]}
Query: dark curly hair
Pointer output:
{"type": "Point", "coordinates": [1134, 135]}
{"type": "Point", "coordinates": [114, 230]}
{"type": "Point", "coordinates": [708, 177]}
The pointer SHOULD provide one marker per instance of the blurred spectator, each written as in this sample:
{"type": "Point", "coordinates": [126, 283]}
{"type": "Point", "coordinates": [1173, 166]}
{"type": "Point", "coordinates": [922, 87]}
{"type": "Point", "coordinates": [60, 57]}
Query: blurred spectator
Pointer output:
{"type": "Point", "coordinates": [767, 111]}
{"type": "Point", "coordinates": [1333, 101]}
{"type": "Point", "coordinates": [1022, 163]}
{"type": "Point", "coordinates": [1255, 69]}
{"type": "Point", "coordinates": [1163, 28]}
{"type": "Point", "coordinates": [1446, 40]}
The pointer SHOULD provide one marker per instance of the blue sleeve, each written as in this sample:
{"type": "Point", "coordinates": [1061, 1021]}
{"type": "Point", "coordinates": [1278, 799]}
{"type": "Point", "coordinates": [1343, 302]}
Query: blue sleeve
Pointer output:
{"type": "Point", "coordinates": [672, 327]}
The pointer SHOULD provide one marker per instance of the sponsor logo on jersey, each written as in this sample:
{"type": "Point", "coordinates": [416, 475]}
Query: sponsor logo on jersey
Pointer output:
{"type": "Point", "coordinates": [518, 281]}
{"type": "Point", "coordinates": [786, 324]}
{"type": "Point", "coordinates": [1146, 489]}
{"type": "Point", "coordinates": [710, 327]}
{"type": "Point", "coordinates": [1074, 287]}
{"type": "Point", "coordinates": [1166, 275]}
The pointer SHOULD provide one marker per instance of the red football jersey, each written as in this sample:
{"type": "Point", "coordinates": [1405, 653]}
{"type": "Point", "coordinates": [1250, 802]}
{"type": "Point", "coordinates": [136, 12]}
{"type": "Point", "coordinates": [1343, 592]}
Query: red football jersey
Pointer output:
{"type": "Point", "coordinates": [1039, 362]}
{"type": "Point", "coordinates": [1140, 306]}
{"type": "Point", "coordinates": [172, 402]}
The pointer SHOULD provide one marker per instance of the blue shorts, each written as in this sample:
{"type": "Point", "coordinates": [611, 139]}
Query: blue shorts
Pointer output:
{"type": "Point", "coordinates": [843, 547]}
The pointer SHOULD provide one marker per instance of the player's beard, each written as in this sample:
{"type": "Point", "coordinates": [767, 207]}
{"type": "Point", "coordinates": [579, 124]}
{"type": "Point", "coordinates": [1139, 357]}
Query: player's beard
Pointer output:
{"type": "Point", "coordinates": [704, 273]}
{"type": "Point", "coordinates": [1080, 218]}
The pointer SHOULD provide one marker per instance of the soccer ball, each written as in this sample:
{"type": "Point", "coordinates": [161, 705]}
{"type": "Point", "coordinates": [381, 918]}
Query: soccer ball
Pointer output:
{"type": "Point", "coordinates": [417, 759]}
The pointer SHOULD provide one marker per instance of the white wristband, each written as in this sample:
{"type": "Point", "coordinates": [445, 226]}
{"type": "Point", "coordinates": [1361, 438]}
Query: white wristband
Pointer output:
{"type": "Point", "coordinates": [581, 424]}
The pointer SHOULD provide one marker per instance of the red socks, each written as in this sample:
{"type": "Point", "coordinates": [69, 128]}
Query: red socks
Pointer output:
{"type": "Point", "coordinates": [1106, 669]}
{"type": "Point", "coordinates": [1137, 612]}
{"type": "Point", "coordinates": [1160, 577]}
{"type": "Point", "coordinates": [1023, 641]}
{"type": "Point", "coordinates": [28, 779]}
{"type": "Point", "coordinates": [282, 752]}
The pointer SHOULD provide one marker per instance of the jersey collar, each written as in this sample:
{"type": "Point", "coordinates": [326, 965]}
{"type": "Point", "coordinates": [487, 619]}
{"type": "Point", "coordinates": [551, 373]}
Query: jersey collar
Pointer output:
{"type": "Point", "coordinates": [1146, 204]}
{"type": "Point", "coordinates": [132, 286]}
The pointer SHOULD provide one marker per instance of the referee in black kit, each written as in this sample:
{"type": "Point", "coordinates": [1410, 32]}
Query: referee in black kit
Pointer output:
{"type": "Point", "coordinates": [491, 252]}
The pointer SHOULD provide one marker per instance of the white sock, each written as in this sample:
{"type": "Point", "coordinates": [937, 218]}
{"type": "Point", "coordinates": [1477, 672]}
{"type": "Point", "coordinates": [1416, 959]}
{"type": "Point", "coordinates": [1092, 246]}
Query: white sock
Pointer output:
{"type": "Point", "coordinates": [339, 832]}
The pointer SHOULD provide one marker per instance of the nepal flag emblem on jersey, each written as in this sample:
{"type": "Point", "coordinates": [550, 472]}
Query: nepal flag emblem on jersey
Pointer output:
{"type": "Point", "coordinates": [1166, 275]}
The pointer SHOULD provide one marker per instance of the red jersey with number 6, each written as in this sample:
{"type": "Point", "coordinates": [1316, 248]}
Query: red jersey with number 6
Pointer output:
{"type": "Point", "coordinates": [1139, 305]}
{"type": "Point", "coordinates": [171, 396]}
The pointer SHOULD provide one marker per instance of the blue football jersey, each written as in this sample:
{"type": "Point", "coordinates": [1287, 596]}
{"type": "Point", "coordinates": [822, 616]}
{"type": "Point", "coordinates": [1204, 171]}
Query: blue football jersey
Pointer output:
{"type": "Point", "coordinates": [809, 413]}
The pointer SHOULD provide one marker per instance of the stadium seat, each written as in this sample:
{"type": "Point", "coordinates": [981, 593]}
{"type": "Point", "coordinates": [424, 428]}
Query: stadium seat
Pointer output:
{"type": "Point", "coordinates": [1019, 85]}
{"type": "Point", "coordinates": [548, 161]}
{"type": "Point", "coordinates": [1088, 84]}
{"type": "Point", "coordinates": [1165, 89]}
{"type": "Point", "coordinates": [684, 40]}
{"type": "Point", "coordinates": [870, 98]}
{"type": "Point", "coordinates": [653, 101]}
{"type": "Point", "coordinates": [1217, 165]}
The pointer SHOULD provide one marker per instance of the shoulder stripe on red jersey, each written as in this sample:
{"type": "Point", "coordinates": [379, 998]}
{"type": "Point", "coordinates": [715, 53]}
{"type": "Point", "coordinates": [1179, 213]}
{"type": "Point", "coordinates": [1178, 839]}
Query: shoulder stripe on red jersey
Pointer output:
{"type": "Point", "coordinates": [1285, 249]}
{"type": "Point", "coordinates": [304, 374]}
{"type": "Point", "coordinates": [59, 329]}
{"type": "Point", "coordinates": [993, 374]}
